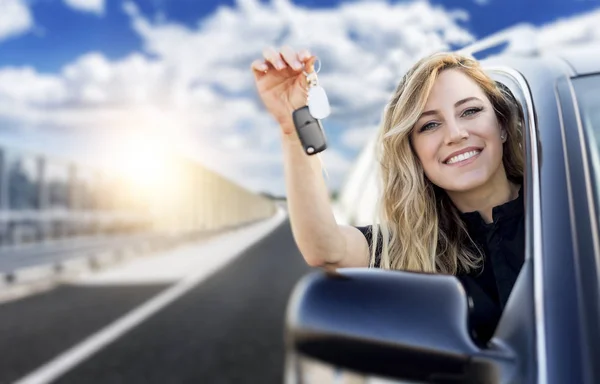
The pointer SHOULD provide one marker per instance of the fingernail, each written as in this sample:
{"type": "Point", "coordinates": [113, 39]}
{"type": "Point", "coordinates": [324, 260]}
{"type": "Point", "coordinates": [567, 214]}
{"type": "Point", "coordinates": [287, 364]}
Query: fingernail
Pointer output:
{"type": "Point", "coordinates": [304, 55]}
{"type": "Point", "coordinates": [279, 64]}
{"type": "Point", "coordinates": [263, 67]}
{"type": "Point", "coordinates": [297, 65]}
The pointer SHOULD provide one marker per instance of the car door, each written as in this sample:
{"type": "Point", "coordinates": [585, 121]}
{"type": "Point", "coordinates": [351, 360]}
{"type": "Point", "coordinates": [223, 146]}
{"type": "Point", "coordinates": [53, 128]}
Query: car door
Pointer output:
{"type": "Point", "coordinates": [580, 108]}
{"type": "Point", "coordinates": [552, 320]}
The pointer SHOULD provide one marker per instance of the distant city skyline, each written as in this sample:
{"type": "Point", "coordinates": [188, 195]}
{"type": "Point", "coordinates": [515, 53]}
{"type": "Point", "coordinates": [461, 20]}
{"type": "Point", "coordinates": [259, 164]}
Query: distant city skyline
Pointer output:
{"type": "Point", "coordinates": [123, 83]}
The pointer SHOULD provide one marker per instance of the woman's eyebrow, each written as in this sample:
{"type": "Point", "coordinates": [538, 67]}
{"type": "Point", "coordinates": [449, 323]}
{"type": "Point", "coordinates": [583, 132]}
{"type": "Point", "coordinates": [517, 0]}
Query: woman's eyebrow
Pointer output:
{"type": "Point", "coordinates": [458, 103]}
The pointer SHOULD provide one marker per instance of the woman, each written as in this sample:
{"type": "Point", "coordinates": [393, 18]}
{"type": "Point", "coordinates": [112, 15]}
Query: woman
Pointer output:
{"type": "Point", "coordinates": [452, 170]}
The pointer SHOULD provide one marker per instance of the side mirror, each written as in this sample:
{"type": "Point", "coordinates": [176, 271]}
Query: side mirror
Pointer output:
{"type": "Point", "coordinates": [402, 325]}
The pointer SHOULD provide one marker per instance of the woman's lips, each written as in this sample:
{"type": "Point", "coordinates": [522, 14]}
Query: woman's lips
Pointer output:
{"type": "Point", "coordinates": [466, 161]}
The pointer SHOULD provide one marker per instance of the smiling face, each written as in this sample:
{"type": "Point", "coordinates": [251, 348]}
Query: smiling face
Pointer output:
{"type": "Point", "coordinates": [458, 138]}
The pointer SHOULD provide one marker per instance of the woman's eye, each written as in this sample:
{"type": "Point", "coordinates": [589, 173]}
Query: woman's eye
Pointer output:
{"type": "Point", "coordinates": [471, 111]}
{"type": "Point", "coordinates": [427, 127]}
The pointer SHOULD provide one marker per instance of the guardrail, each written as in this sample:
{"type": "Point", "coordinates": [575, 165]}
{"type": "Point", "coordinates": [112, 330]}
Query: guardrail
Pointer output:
{"type": "Point", "coordinates": [44, 197]}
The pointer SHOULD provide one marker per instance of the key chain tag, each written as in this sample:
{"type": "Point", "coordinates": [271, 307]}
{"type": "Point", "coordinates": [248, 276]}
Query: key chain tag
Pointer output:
{"type": "Point", "coordinates": [318, 104]}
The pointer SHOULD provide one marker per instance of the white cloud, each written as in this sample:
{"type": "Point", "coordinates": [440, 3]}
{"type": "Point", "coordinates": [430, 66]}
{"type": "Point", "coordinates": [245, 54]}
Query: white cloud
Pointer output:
{"type": "Point", "coordinates": [197, 92]}
{"type": "Point", "coordinates": [24, 86]}
{"type": "Point", "coordinates": [526, 38]}
{"type": "Point", "coordinates": [336, 165]}
{"type": "Point", "coordinates": [568, 31]}
{"type": "Point", "coordinates": [93, 6]}
{"type": "Point", "coordinates": [358, 137]}
{"type": "Point", "coordinates": [15, 18]}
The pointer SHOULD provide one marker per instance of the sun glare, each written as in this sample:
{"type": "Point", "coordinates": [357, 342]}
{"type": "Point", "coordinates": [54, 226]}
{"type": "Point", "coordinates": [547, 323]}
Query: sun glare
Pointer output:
{"type": "Point", "coordinates": [143, 161]}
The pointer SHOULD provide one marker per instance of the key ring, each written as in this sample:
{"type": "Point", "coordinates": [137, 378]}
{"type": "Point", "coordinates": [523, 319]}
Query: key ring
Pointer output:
{"type": "Point", "coordinates": [311, 78]}
{"type": "Point", "coordinates": [314, 72]}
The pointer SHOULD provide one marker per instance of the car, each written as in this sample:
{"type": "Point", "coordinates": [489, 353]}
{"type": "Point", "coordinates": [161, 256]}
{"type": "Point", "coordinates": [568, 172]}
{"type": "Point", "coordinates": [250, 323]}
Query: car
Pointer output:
{"type": "Point", "coordinates": [415, 327]}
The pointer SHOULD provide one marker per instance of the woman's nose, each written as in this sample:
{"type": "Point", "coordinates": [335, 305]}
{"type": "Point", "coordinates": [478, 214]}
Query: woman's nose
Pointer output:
{"type": "Point", "coordinates": [455, 132]}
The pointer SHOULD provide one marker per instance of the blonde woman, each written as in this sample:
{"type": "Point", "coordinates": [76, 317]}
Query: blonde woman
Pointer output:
{"type": "Point", "coordinates": [452, 169]}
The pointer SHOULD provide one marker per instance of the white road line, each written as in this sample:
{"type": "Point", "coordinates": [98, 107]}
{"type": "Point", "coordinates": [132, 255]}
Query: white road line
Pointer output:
{"type": "Point", "coordinates": [244, 238]}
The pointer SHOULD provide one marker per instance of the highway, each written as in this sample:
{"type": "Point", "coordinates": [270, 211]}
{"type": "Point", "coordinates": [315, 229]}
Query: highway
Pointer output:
{"type": "Point", "coordinates": [204, 312]}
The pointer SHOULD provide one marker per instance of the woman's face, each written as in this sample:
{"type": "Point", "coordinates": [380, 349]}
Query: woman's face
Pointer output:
{"type": "Point", "coordinates": [458, 137]}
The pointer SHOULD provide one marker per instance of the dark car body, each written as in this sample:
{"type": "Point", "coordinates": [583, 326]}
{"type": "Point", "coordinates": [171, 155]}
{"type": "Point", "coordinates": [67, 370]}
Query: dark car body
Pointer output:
{"type": "Point", "coordinates": [549, 331]}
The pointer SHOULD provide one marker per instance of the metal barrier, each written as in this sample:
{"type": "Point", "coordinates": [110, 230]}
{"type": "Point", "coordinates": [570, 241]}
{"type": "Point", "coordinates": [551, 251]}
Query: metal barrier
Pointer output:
{"type": "Point", "coordinates": [43, 197]}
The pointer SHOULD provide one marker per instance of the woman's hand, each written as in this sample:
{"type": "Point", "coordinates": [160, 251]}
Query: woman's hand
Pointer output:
{"type": "Point", "coordinates": [281, 83]}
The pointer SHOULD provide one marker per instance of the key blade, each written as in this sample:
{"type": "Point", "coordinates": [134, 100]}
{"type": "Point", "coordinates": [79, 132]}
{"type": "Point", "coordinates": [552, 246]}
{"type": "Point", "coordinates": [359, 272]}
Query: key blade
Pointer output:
{"type": "Point", "coordinates": [318, 104]}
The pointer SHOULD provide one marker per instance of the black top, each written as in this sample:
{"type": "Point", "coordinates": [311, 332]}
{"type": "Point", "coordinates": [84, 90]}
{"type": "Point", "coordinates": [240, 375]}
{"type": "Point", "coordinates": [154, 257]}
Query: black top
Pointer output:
{"type": "Point", "coordinates": [503, 245]}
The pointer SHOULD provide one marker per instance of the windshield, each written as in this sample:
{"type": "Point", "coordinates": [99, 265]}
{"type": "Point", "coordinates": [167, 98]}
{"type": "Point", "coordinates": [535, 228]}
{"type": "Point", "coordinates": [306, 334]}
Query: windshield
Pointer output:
{"type": "Point", "coordinates": [588, 96]}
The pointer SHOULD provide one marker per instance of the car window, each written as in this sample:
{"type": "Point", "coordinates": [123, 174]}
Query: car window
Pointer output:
{"type": "Point", "coordinates": [588, 96]}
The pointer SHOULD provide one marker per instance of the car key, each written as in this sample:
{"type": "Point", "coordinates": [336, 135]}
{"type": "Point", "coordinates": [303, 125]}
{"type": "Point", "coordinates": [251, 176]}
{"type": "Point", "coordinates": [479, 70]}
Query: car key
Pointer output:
{"type": "Point", "coordinates": [310, 131]}
{"type": "Point", "coordinates": [307, 119]}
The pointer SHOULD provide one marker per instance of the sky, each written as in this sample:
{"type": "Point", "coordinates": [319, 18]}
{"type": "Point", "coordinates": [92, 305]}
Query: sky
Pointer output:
{"type": "Point", "coordinates": [104, 81]}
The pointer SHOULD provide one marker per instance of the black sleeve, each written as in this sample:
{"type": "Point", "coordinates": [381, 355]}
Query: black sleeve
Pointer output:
{"type": "Point", "coordinates": [484, 314]}
{"type": "Point", "coordinates": [367, 231]}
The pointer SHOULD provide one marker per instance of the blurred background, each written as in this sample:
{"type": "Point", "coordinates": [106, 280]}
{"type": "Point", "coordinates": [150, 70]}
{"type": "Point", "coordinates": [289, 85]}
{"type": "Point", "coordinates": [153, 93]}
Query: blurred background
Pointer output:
{"type": "Point", "coordinates": [131, 133]}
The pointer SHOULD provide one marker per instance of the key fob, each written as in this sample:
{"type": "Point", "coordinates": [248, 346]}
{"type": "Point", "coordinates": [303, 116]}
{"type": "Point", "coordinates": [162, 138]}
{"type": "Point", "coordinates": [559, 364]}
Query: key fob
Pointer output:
{"type": "Point", "coordinates": [310, 131]}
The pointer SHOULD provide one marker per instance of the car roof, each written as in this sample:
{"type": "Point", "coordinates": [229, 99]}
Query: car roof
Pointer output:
{"type": "Point", "coordinates": [583, 59]}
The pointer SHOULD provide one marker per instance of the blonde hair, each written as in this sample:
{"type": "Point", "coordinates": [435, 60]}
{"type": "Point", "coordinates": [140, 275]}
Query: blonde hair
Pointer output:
{"type": "Point", "coordinates": [420, 227]}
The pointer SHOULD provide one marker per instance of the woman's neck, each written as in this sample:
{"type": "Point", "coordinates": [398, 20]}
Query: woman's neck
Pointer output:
{"type": "Point", "coordinates": [486, 197]}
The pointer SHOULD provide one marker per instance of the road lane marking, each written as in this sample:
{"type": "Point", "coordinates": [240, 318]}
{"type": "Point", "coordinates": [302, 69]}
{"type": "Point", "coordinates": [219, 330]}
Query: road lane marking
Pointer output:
{"type": "Point", "coordinates": [221, 245]}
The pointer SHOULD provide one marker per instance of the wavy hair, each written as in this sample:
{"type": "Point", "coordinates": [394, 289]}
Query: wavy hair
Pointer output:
{"type": "Point", "coordinates": [421, 229]}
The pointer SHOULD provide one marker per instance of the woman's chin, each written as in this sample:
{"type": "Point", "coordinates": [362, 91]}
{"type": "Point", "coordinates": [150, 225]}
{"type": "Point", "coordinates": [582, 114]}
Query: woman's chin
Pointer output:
{"type": "Point", "coordinates": [463, 184]}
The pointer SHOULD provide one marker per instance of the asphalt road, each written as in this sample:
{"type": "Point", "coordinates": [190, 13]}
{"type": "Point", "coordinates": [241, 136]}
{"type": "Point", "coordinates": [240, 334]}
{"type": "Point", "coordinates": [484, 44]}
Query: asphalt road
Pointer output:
{"type": "Point", "coordinates": [228, 329]}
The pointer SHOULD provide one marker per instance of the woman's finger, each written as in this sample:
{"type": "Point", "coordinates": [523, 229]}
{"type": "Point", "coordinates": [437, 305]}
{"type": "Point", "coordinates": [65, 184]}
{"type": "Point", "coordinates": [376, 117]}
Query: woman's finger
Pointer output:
{"type": "Point", "coordinates": [304, 55]}
{"type": "Point", "coordinates": [273, 57]}
{"type": "Point", "coordinates": [259, 66]}
{"type": "Point", "coordinates": [290, 56]}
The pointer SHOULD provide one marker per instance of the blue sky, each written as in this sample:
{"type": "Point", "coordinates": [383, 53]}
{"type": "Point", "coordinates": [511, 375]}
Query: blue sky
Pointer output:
{"type": "Point", "coordinates": [64, 33]}
{"type": "Point", "coordinates": [81, 62]}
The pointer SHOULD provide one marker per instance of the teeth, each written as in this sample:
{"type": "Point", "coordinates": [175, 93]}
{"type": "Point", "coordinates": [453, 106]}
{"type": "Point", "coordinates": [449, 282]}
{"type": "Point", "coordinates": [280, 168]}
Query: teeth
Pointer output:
{"type": "Point", "coordinates": [461, 157]}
